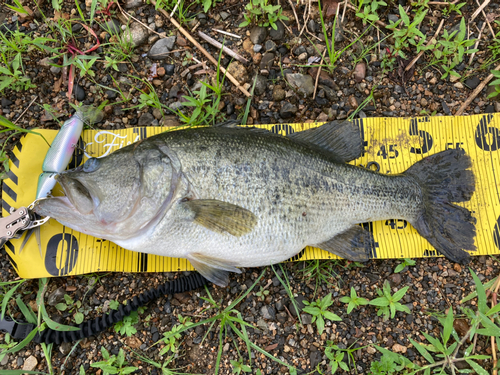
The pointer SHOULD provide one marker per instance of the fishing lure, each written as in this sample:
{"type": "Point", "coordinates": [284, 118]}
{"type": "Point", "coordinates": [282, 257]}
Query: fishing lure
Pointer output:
{"type": "Point", "coordinates": [59, 155]}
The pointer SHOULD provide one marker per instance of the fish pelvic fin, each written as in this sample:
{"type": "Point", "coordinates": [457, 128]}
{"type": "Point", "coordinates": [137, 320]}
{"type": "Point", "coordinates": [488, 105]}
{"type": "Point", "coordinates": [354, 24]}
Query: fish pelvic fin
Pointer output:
{"type": "Point", "coordinates": [213, 269]}
{"type": "Point", "coordinates": [221, 217]}
{"type": "Point", "coordinates": [339, 139]}
{"type": "Point", "coordinates": [354, 244]}
{"type": "Point", "coordinates": [445, 177]}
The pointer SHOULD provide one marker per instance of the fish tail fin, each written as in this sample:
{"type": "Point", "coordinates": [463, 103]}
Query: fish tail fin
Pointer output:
{"type": "Point", "coordinates": [446, 177]}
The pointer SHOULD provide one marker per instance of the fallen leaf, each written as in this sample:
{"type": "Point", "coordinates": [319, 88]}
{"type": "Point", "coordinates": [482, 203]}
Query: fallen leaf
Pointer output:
{"type": "Point", "coordinates": [271, 347]}
{"type": "Point", "coordinates": [461, 326]}
{"type": "Point", "coordinates": [133, 342]}
{"type": "Point", "coordinates": [330, 8]}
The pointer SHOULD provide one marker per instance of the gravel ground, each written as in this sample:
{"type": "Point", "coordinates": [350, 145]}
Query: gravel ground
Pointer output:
{"type": "Point", "coordinates": [434, 284]}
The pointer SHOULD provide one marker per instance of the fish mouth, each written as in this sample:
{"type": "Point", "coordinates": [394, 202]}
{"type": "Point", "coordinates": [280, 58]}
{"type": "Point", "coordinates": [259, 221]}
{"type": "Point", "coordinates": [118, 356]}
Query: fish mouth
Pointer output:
{"type": "Point", "coordinates": [77, 194]}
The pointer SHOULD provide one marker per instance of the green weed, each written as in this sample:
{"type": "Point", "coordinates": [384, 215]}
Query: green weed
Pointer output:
{"type": "Point", "coordinates": [449, 51]}
{"type": "Point", "coordinates": [495, 83]}
{"type": "Point", "coordinates": [409, 33]}
{"type": "Point", "coordinates": [387, 303]}
{"type": "Point", "coordinates": [239, 367]}
{"type": "Point", "coordinates": [114, 364]}
{"type": "Point", "coordinates": [401, 266]}
{"type": "Point", "coordinates": [171, 337]}
{"type": "Point", "coordinates": [367, 10]}
{"type": "Point", "coordinates": [261, 13]}
{"type": "Point", "coordinates": [71, 306]}
{"type": "Point", "coordinates": [319, 312]}
{"type": "Point", "coordinates": [353, 301]}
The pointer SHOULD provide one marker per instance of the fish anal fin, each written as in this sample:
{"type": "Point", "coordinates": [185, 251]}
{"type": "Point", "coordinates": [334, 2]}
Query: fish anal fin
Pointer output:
{"type": "Point", "coordinates": [353, 244]}
{"type": "Point", "coordinates": [340, 139]}
{"type": "Point", "coordinates": [214, 269]}
{"type": "Point", "coordinates": [222, 217]}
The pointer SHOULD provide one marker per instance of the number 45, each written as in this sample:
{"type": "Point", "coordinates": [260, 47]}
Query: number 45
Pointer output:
{"type": "Point", "coordinates": [391, 153]}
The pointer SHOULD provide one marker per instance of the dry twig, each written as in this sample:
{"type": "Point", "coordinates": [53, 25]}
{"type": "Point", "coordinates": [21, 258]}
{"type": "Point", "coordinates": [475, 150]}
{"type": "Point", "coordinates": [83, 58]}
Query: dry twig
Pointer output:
{"type": "Point", "coordinates": [295, 14]}
{"type": "Point", "coordinates": [29, 105]}
{"type": "Point", "coordinates": [317, 74]}
{"type": "Point", "coordinates": [410, 65]}
{"type": "Point", "coordinates": [224, 48]}
{"type": "Point", "coordinates": [226, 33]}
{"type": "Point", "coordinates": [203, 50]}
{"type": "Point", "coordinates": [475, 93]}
{"type": "Point", "coordinates": [477, 43]}
{"type": "Point", "coordinates": [479, 10]}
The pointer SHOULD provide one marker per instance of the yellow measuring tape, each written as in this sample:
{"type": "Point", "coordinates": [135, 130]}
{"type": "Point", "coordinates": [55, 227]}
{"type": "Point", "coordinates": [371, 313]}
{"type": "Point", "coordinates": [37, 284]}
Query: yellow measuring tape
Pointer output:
{"type": "Point", "coordinates": [392, 145]}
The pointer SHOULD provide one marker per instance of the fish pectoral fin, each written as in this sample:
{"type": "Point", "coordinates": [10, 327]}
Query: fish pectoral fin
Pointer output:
{"type": "Point", "coordinates": [213, 269]}
{"type": "Point", "coordinates": [341, 139]}
{"type": "Point", "coordinates": [222, 217]}
{"type": "Point", "coordinates": [353, 244]}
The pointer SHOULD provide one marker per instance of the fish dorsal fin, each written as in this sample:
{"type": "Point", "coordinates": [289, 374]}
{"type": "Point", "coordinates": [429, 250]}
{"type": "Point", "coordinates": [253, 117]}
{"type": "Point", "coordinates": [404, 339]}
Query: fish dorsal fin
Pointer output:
{"type": "Point", "coordinates": [213, 269]}
{"type": "Point", "coordinates": [221, 217]}
{"type": "Point", "coordinates": [340, 139]}
{"type": "Point", "coordinates": [353, 244]}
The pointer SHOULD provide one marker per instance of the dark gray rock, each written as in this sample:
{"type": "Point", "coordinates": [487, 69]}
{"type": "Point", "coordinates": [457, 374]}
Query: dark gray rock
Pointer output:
{"type": "Point", "coordinates": [303, 83]}
{"type": "Point", "coordinates": [224, 15]}
{"type": "Point", "coordinates": [55, 70]}
{"type": "Point", "coordinates": [161, 48]}
{"type": "Point", "coordinates": [79, 93]}
{"type": "Point", "coordinates": [311, 25]}
{"type": "Point", "coordinates": [229, 109]}
{"type": "Point", "coordinates": [267, 60]}
{"type": "Point", "coordinates": [472, 82]}
{"type": "Point", "coordinates": [299, 302]}
{"type": "Point", "coordinates": [268, 312]}
{"type": "Point", "coordinates": [446, 109]}
{"type": "Point", "coordinates": [270, 46]}
{"type": "Point", "coordinates": [306, 318]}
{"type": "Point", "coordinates": [260, 85]}
{"type": "Point", "coordinates": [282, 317]}
{"type": "Point", "coordinates": [111, 94]}
{"type": "Point", "coordinates": [133, 3]}
{"type": "Point", "coordinates": [288, 110]}
{"type": "Point", "coordinates": [258, 34]}
{"type": "Point", "coordinates": [299, 50]}
{"type": "Point", "coordinates": [279, 33]}
{"type": "Point", "coordinates": [392, 18]}
{"type": "Point", "coordinates": [339, 33]}
{"type": "Point", "coordinates": [136, 34]}
{"type": "Point", "coordinates": [56, 296]}
{"type": "Point", "coordinates": [174, 91]}
{"type": "Point", "coordinates": [6, 103]}
{"type": "Point", "coordinates": [169, 69]}
{"type": "Point", "coordinates": [146, 119]}
{"type": "Point", "coordinates": [112, 26]}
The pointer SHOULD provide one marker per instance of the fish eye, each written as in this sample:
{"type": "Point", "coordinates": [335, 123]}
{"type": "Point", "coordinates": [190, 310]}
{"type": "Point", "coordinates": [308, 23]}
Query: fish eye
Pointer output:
{"type": "Point", "coordinates": [91, 165]}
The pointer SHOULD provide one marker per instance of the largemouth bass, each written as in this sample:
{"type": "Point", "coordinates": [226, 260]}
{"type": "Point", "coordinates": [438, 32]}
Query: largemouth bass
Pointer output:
{"type": "Point", "coordinates": [233, 197]}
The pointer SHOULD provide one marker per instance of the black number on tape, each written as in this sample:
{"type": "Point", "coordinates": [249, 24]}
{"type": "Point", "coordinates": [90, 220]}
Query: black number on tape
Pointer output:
{"type": "Point", "coordinates": [487, 137]}
{"type": "Point", "coordinates": [142, 132]}
{"type": "Point", "coordinates": [373, 244]}
{"type": "Point", "coordinates": [389, 152]}
{"type": "Point", "coordinates": [284, 129]}
{"type": "Point", "coordinates": [426, 139]}
{"type": "Point", "coordinates": [60, 263]}
{"type": "Point", "coordinates": [496, 233]}
{"type": "Point", "coordinates": [396, 224]}
{"type": "Point", "coordinates": [361, 125]}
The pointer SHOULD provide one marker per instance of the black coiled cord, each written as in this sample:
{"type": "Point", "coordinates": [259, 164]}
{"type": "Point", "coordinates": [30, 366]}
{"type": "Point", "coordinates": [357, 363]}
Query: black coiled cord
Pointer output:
{"type": "Point", "coordinates": [99, 324]}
